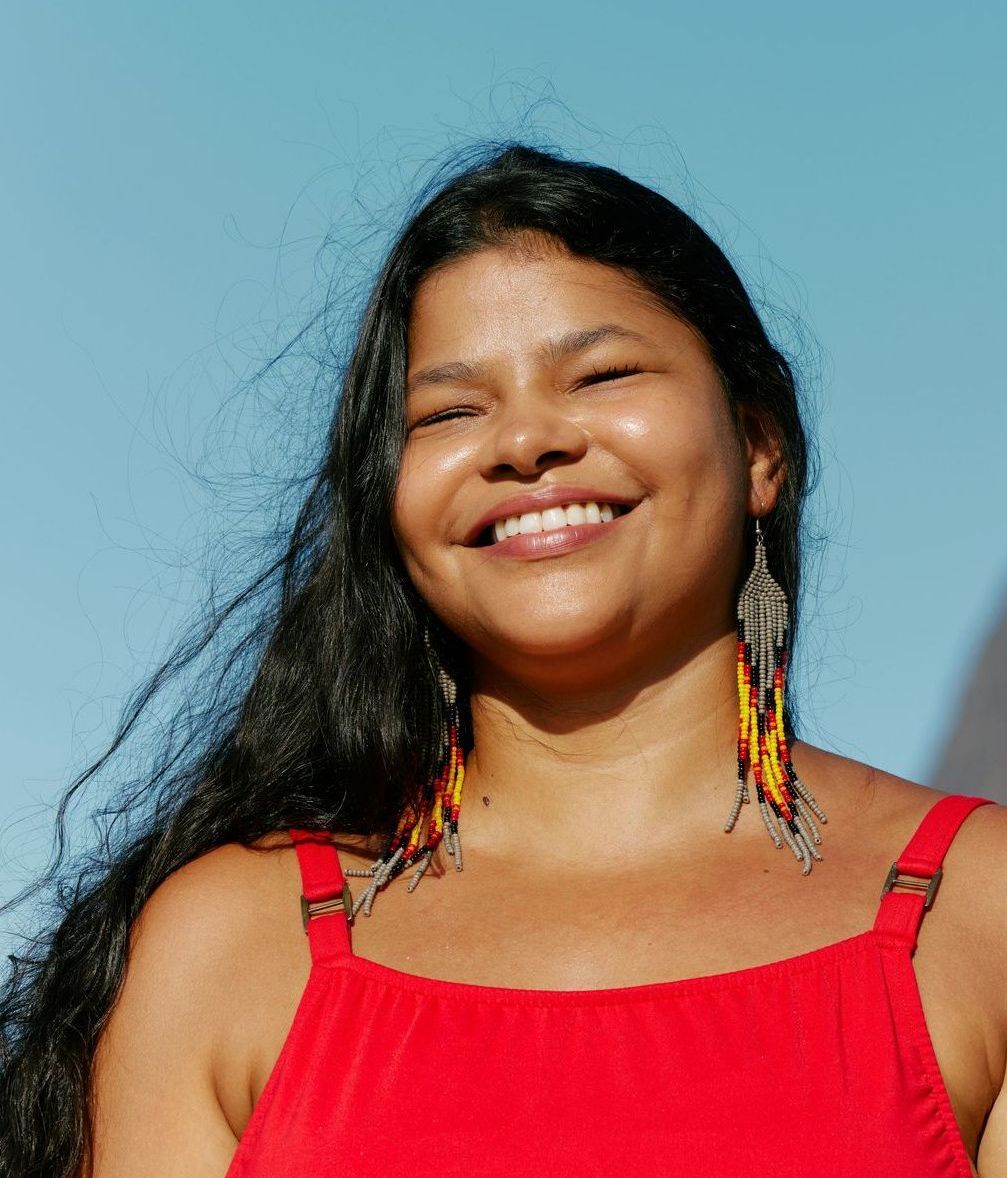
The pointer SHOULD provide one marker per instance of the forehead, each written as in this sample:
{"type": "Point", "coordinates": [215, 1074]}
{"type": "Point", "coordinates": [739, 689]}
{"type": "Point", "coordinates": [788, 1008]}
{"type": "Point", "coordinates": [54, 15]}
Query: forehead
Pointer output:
{"type": "Point", "coordinates": [542, 305]}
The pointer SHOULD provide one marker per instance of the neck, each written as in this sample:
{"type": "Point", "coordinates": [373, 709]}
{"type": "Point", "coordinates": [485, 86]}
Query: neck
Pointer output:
{"type": "Point", "coordinates": [604, 773]}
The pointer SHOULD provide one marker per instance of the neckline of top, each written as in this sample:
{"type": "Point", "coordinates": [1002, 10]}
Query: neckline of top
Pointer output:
{"type": "Point", "coordinates": [895, 926]}
{"type": "Point", "coordinates": [610, 995]}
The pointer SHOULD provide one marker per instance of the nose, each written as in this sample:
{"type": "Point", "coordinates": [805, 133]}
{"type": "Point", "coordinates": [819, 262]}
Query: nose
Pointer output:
{"type": "Point", "coordinates": [530, 435]}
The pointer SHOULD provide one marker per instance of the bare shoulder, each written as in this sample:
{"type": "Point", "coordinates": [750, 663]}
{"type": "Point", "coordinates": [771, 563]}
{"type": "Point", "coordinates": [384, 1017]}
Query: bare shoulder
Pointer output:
{"type": "Point", "coordinates": [217, 961]}
{"type": "Point", "coordinates": [234, 907]}
{"type": "Point", "coordinates": [891, 801]}
{"type": "Point", "coordinates": [885, 808]}
{"type": "Point", "coordinates": [224, 896]}
{"type": "Point", "coordinates": [227, 916]}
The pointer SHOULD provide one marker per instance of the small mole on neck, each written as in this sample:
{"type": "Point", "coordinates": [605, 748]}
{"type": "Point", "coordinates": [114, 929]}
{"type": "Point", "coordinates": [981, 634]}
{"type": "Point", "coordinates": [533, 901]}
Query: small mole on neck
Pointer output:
{"type": "Point", "coordinates": [486, 800]}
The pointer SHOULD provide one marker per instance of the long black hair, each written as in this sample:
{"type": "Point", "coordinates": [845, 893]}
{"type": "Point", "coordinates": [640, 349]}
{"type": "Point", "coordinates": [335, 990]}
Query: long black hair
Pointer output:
{"type": "Point", "coordinates": [321, 712]}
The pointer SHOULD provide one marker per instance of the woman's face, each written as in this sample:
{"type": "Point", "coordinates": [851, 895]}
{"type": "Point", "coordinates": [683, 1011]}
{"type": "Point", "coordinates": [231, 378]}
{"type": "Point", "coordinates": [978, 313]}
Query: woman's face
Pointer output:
{"type": "Point", "coordinates": [530, 371]}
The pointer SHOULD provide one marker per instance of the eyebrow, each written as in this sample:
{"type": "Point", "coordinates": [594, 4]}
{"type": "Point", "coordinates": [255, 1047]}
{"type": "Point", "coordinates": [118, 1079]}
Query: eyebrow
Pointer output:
{"type": "Point", "coordinates": [550, 352]}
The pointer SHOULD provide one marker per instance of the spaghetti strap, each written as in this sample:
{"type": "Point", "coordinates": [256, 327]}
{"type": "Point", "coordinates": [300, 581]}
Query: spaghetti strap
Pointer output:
{"type": "Point", "coordinates": [325, 896]}
{"type": "Point", "coordinates": [918, 869]}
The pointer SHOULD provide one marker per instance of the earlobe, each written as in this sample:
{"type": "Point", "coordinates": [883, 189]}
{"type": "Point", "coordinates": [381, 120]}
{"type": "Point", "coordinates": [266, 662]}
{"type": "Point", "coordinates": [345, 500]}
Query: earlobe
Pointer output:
{"type": "Point", "coordinates": [762, 497]}
{"type": "Point", "coordinates": [767, 467]}
{"type": "Point", "coordinates": [766, 479]}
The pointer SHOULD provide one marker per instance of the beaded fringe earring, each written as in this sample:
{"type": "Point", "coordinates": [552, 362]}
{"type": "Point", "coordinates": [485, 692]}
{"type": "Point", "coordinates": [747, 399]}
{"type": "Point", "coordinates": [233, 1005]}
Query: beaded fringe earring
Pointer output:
{"type": "Point", "coordinates": [418, 834]}
{"type": "Point", "coordinates": [763, 617]}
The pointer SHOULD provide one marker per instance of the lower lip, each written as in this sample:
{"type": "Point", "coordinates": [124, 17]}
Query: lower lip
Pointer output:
{"type": "Point", "coordinates": [529, 545]}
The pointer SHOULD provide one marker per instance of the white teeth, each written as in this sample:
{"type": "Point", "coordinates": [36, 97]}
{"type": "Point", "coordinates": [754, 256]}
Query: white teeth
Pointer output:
{"type": "Point", "coordinates": [553, 518]}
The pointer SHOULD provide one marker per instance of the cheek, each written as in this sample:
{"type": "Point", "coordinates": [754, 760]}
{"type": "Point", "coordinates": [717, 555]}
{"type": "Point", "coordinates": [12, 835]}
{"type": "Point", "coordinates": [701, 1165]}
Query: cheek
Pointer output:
{"type": "Point", "coordinates": [422, 503]}
{"type": "Point", "coordinates": [684, 443]}
{"type": "Point", "coordinates": [407, 511]}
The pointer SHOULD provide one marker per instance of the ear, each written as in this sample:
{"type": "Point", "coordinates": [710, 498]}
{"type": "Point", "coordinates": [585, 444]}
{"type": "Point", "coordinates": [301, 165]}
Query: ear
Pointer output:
{"type": "Point", "coordinates": [767, 468]}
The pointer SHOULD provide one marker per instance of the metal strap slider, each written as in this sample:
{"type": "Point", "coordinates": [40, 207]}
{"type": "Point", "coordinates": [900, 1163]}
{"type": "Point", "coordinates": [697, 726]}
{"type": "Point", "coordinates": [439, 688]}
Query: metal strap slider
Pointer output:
{"type": "Point", "coordinates": [341, 902]}
{"type": "Point", "coordinates": [917, 883]}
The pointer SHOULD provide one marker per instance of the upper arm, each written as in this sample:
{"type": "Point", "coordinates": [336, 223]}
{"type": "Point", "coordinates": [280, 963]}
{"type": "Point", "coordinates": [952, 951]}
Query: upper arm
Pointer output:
{"type": "Point", "coordinates": [993, 1146]}
{"type": "Point", "coordinates": [215, 966]}
{"type": "Point", "coordinates": [986, 833]}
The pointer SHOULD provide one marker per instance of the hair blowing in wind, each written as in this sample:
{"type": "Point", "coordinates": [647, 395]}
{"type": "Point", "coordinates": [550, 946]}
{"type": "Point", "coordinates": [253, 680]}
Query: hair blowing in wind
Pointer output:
{"type": "Point", "coordinates": [324, 712]}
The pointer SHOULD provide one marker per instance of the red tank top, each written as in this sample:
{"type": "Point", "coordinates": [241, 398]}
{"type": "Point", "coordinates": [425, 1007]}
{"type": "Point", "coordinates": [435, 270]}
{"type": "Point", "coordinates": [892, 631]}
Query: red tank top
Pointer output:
{"type": "Point", "coordinates": [817, 1064]}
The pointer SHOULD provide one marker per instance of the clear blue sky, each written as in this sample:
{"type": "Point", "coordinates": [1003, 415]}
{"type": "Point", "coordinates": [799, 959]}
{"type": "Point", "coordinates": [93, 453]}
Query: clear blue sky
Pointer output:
{"type": "Point", "coordinates": [170, 170]}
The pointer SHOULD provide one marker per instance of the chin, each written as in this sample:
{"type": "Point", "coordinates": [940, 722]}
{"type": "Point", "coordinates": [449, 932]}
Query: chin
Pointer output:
{"type": "Point", "coordinates": [556, 639]}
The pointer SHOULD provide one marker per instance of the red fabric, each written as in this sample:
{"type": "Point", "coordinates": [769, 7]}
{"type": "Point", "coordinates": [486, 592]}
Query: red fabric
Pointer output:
{"type": "Point", "coordinates": [817, 1064]}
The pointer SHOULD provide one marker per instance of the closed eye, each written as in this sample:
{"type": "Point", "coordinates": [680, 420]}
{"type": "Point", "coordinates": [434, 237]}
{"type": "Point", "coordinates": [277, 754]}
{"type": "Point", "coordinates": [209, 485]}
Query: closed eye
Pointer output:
{"type": "Point", "coordinates": [602, 374]}
{"type": "Point", "coordinates": [445, 415]}
{"type": "Point", "coordinates": [598, 376]}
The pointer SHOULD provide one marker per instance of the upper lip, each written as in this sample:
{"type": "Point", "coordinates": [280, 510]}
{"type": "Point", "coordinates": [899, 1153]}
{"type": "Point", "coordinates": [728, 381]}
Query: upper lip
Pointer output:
{"type": "Point", "coordinates": [541, 499]}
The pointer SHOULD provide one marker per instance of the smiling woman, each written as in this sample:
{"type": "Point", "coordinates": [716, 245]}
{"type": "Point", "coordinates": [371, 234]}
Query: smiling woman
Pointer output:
{"type": "Point", "coordinates": [543, 594]}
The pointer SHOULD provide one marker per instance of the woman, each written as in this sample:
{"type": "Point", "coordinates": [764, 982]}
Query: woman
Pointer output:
{"type": "Point", "coordinates": [541, 598]}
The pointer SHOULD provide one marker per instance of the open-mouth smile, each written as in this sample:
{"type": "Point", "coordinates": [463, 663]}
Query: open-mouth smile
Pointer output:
{"type": "Point", "coordinates": [551, 532]}
{"type": "Point", "coordinates": [550, 520]}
